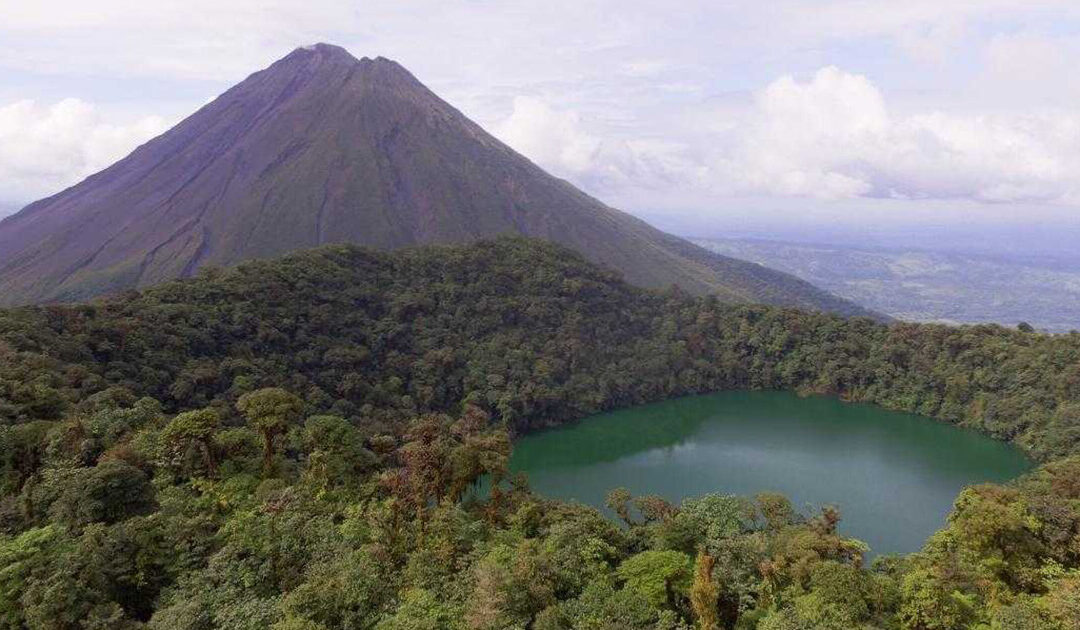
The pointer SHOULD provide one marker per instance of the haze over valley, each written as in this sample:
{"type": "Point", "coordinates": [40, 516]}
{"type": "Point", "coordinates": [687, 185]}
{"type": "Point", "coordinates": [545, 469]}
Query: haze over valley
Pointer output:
{"type": "Point", "coordinates": [927, 285]}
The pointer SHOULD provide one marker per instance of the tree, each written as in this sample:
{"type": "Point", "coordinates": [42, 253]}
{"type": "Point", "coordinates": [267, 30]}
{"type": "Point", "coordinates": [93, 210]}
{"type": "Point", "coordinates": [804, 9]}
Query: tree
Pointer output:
{"type": "Point", "coordinates": [425, 457]}
{"type": "Point", "coordinates": [512, 586]}
{"type": "Point", "coordinates": [348, 590]}
{"type": "Point", "coordinates": [108, 493]}
{"type": "Point", "coordinates": [193, 429]}
{"type": "Point", "coordinates": [477, 451]}
{"type": "Point", "coordinates": [269, 411]}
{"type": "Point", "coordinates": [441, 457]}
{"type": "Point", "coordinates": [776, 509]}
{"type": "Point", "coordinates": [335, 452]}
{"type": "Point", "coordinates": [618, 501]}
{"type": "Point", "coordinates": [704, 595]}
{"type": "Point", "coordinates": [1062, 603]}
{"type": "Point", "coordinates": [930, 604]}
{"type": "Point", "coordinates": [20, 558]}
{"type": "Point", "coordinates": [658, 576]}
{"type": "Point", "coordinates": [22, 451]}
{"type": "Point", "coordinates": [654, 508]}
{"type": "Point", "coordinates": [601, 605]}
{"type": "Point", "coordinates": [996, 524]}
{"type": "Point", "coordinates": [422, 610]}
{"type": "Point", "coordinates": [704, 521]}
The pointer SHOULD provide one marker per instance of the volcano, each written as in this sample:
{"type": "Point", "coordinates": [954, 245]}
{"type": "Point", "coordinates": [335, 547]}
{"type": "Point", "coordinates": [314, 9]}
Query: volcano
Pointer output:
{"type": "Point", "coordinates": [322, 147]}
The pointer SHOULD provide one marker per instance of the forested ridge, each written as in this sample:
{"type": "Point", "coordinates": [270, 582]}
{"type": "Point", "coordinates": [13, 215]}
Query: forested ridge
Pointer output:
{"type": "Point", "coordinates": [288, 444]}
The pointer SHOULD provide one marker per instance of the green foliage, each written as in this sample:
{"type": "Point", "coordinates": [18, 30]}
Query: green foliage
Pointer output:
{"type": "Point", "coordinates": [295, 445]}
{"type": "Point", "coordinates": [269, 411]}
{"type": "Point", "coordinates": [20, 558]}
{"type": "Point", "coordinates": [422, 610]}
{"type": "Point", "coordinates": [929, 603]}
{"type": "Point", "coordinates": [704, 593]}
{"type": "Point", "coordinates": [350, 591]}
{"type": "Point", "coordinates": [527, 331]}
{"type": "Point", "coordinates": [192, 430]}
{"type": "Point", "coordinates": [706, 520]}
{"type": "Point", "coordinates": [601, 605]}
{"type": "Point", "coordinates": [661, 577]}
{"type": "Point", "coordinates": [107, 493]}
{"type": "Point", "coordinates": [512, 585]}
{"type": "Point", "coordinates": [618, 501]}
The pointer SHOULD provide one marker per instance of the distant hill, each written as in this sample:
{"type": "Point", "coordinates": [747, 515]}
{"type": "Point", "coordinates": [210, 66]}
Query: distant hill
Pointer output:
{"type": "Point", "coordinates": [320, 148]}
{"type": "Point", "coordinates": [929, 286]}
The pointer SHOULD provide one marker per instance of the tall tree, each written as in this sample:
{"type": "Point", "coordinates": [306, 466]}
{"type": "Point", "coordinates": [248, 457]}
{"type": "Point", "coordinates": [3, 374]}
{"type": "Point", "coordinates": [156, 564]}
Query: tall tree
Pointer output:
{"type": "Point", "coordinates": [193, 429]}
{"type": "Point", "coordinates": [269, 411]}
{"type": "Point", "coordinates": [704, 595]}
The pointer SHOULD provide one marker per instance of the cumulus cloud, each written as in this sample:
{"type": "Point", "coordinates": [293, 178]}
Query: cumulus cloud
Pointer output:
{"type": "Point", "coordinates": [558, 140]}
{"type": "Point", "coordinates": [550, 137]}
{"type": "Point", "coordinates": [635, 96]}
{"type": "Point", "coordinates": [830, 137]}
{"type": "Point", "coordinates": [801, 137]}
{"type": "Point", "coordinates": [44, 148]}
{"type": "Point", "coordinates": [834, 137]}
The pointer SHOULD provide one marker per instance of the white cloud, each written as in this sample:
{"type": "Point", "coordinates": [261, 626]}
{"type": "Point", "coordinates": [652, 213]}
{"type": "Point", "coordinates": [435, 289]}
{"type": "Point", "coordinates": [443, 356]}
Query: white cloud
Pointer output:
{"type": "Point", "coordinates": [834, 137]}
{"type": "Point", "coordinates": [557, 140]}
{"type": "Point", "coordinates": [44, 148]}
{"type": "Point", "coordinates": [968, 99]}
{"type": "Point", "coordinates": [549, 137]}
{"type": "Point", "coordinates": [830, 137]}
{"type": "Point", "coordinates": [805, 139]}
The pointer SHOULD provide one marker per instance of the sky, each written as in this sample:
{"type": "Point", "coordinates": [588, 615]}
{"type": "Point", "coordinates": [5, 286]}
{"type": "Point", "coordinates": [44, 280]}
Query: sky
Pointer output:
{"type": "Point", "coordinates": [710, 116]}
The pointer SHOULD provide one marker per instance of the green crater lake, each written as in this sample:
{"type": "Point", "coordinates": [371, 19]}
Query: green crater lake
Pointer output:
{"type": "Point", "coordinates": [893, 475]}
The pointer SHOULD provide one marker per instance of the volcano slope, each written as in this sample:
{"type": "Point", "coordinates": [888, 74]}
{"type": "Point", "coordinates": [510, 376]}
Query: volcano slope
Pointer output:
{"type": "Point", "coordinates": [322, 147]}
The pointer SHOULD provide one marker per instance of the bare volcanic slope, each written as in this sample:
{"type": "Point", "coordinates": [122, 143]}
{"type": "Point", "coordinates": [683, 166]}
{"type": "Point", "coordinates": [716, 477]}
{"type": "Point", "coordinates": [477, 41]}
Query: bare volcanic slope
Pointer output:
{"type": "Point", "coordinates": [322, 147]}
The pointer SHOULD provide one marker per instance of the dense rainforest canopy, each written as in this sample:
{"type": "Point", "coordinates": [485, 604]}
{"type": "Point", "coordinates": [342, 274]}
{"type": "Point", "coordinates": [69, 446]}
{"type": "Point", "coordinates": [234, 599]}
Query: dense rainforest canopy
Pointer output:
{"type": "Point", "coordinates": [289, 444]}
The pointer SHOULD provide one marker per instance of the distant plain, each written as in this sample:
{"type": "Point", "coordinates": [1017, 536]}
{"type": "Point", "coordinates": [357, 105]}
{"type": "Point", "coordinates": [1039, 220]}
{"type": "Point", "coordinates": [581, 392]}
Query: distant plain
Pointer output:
{"type": "Point", "coordinates": [929, 285]}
